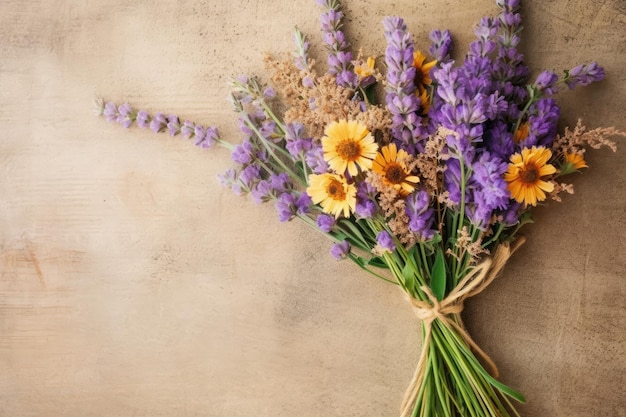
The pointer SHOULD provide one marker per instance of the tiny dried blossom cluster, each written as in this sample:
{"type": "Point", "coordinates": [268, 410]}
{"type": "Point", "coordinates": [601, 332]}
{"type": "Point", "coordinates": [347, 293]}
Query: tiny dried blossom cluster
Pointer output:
{"type": "Point", "coordinates": [569, 149]}
{"type": "Point", "coordinates": [482, 139]}
{"type": "Point", "coordinates": [316, 101]}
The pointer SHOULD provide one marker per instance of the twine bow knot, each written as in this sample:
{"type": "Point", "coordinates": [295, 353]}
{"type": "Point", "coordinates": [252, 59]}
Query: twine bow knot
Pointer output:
{"type": "Point", "coordinates": [448, 310]}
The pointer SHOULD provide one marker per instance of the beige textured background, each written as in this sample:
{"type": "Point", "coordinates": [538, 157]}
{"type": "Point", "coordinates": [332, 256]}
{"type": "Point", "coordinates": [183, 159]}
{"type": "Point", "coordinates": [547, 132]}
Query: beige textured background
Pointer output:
{"type": "Point", "coordinates": [132, 284]}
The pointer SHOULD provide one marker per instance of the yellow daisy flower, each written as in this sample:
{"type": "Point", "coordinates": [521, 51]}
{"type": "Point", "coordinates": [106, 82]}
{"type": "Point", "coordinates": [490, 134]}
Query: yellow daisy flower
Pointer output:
{"type": "Point", "coordinates": [389, 163]}
{"type": "Point", "coordinates": [576, 160]}
{"type": "Point", "coordinates": [422, 75]}
{"type": "Point", "coordinates": [348, 145]}
{"type": "Point", "coordinates": [365, 69]}
{"type": "Point", "coordinates": [333, 193]}
{"type": "Point", "coordinates": [525, 172]}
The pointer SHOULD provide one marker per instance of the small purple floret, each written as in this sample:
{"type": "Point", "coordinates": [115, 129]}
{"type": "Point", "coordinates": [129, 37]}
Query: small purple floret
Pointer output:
{"type": "Point", "coordinates": [340, 250]}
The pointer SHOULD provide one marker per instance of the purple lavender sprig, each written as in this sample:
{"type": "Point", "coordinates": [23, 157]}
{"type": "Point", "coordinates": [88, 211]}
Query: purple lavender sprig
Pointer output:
{"type": "Point", "coordinates": [263, 129]}
{"type": "Point", "coordinates": [301, 58]}
{"type": "Point", "coordinates": [488, 189]}
{"type": "Point", "coordinates": [584, 75]}
{"type": "Point", "coordinates": [125, 115]}
{"type": "Point", "coordinates": [267, 153]}
{"type": "Point", "coordinates": [421, 214]}
{"type": "Point", "coordinates": [486, 32]}
{"type": "Point", "coordinates": [339, 57]}
{"type": "Point", "coordinates": [301, 54]}
{"type": "Point", "coordinates": [402, 102]}
{"type": "Point", "coordinates": [548, 82]}
{"type": "Point", "coordinates": [441, 45]}
{"type": "Point", "coordinates": [509, 68]}
{"type": "Point", "coordinates": [541, 112]}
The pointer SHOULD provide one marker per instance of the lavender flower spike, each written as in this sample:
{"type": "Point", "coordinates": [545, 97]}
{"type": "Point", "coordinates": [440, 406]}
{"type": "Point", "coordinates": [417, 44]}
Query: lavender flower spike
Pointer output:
{"type": "Point", "coordinates": [125, 115]}
{"type": "Point", "coordinates": [441, 45]}
{"type": "Point", "coordinates": [584, 75]}
{"type": "Point", "coordinates": [421, 215]}
{"type": "Point", "coordinates": [301, 54]}
{"type": "Point", "coordinates": [546, 82]}
{"type": "Point", "coordinates": [286, 206]}
{"type": "Point", "coordinates": [339, 58]}
{"type": "Point", "coordinates": [401, 100]}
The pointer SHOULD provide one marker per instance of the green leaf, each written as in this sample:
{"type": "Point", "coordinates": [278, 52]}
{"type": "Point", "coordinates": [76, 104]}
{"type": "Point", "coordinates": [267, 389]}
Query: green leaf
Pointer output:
{"type": "Point", "coordinates": [526, 218]}
{"type": "Point", "coordinates": [409, 277]}
{"type": "Point", "coordinates": [378, 262]}
{"type": "Point", "coordinates": [438, 275]}
{"type": "Point", "coordinates": [355, 236]}
{"type": "Point", "coordinates": [366, 229]}
{"type": "Point", "coordinates": [340, 236]}
{"type": "Point", "coordinates": [370, 94]}
{"type": "Point", "coordinates": [362, 262]}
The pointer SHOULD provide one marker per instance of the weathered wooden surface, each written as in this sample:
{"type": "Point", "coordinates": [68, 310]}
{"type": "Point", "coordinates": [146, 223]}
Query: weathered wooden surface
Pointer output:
{"type": "Point", "coordinates": [132, 284]}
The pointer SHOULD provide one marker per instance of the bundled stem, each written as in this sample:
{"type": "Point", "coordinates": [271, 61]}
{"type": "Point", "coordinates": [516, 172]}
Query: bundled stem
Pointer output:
{"type": "Point", "coordinates": [447, 359]}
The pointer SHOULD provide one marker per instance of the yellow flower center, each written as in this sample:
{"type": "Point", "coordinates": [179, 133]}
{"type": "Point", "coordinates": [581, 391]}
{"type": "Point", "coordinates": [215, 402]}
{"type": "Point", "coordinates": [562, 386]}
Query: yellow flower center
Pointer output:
{"type": "Point", "coordinates": [348, 150]}
{"type": "Point", "coordinates": [419, 77]}
{"type": "Point", "coordinates": [335, 190]}
{"type": "Point", "coordinates": [529, 175]}
{"type": "Point", "coordinates": [394, 173]}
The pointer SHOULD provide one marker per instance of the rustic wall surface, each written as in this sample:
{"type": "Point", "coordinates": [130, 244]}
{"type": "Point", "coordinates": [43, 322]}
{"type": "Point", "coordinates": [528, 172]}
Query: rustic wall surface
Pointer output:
{"type": "Point", "coordinates": [133, 284]}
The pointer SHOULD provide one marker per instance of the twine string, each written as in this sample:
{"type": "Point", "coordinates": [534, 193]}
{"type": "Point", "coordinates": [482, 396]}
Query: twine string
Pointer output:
{"type": "Point", "coordinates": [432, 309]}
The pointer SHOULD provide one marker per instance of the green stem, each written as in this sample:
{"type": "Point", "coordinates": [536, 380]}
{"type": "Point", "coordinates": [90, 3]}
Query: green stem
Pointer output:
{"type": "Point", "coordinates": [305, 170]}
{"type": "Point", "coordinates": [453, 367]}
{"type": "Point", "coordinates": [226, 145]}
{"type": "Point", "coordinates": [464, 177]}
{"type": "Point", "coordinates": [438, 385]}
{"type": "Point", "coordinates": [270, 149]}
{"type": "Point", "coordinates": [397, 273]}
{"type": "Point", "coordinates": [377, 226]}
{"type": "Point", "coordinates": [495, 236]}
{"type": "Point", "coordinates": [533, 97]}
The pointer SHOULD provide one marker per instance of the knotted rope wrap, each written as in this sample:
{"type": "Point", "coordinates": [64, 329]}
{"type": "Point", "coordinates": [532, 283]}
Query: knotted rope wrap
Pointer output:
{"type": "Point", "coordinates": [475, 282]}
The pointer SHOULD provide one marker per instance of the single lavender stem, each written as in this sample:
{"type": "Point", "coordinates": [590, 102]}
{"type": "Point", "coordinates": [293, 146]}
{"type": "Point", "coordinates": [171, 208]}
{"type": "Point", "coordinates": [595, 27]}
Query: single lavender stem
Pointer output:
{"type": "Point", "coordinates": [339, 57]}
{"type": "Point", "coordinates": [584, 75]}
{"type": "Point", "coordinates": [401, 100]}
{"type": "Point", "coordinates": [125, 115]}
{"type": "Point", "coordinates": [301, 53]}
{"type": "Point", "coordinates": [251, 91]}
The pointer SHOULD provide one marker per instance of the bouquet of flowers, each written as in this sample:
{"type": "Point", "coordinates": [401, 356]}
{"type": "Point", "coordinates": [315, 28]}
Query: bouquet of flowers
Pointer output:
{"type": "Point", "coordinates": [427, 190]}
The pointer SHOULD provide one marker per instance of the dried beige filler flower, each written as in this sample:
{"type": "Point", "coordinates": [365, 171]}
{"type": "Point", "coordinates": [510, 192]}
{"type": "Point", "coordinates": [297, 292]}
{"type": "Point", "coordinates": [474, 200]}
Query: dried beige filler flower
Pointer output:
{"type": "Point", "coordinates": [575, 141]}
{"type": "Point", "coordinates": [316, 101]}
